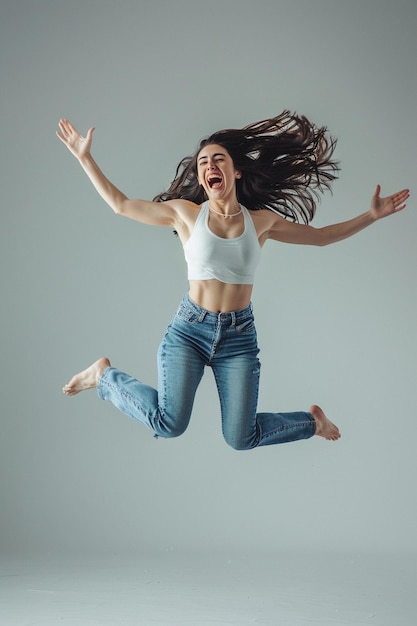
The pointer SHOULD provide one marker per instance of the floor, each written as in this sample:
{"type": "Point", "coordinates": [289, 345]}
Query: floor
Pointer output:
{"type": "Point", "coordinates": [173, 589]}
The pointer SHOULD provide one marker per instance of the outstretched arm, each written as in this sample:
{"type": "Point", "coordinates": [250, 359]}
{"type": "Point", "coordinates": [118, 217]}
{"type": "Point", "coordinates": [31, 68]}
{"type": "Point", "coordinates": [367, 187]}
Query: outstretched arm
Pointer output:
{"type": "Point", "coordinates": [155, 213]}
{"type": "Point", "coordinates": [289, 232]}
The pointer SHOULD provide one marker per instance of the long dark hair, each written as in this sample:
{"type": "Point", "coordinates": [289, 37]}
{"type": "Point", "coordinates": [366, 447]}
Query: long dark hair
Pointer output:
{"type": "Point", "coordinates": [285, 162]}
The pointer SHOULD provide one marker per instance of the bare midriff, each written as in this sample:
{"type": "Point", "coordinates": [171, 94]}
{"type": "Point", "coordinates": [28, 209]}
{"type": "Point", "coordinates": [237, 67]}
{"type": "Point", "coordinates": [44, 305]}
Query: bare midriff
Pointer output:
{"type": "Point", "coordinates": [218, 297]}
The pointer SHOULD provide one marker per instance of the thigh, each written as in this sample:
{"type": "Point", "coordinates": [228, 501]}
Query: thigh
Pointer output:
{"type": "Point", "coordinates": [237, 380]}
{"type": "Point", "coordinates": [180, 369]}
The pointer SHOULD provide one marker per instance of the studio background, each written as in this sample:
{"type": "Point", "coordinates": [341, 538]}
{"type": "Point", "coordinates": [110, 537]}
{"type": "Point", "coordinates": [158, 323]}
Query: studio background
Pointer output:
{"type": "Point", "coordinates": [336, 325]}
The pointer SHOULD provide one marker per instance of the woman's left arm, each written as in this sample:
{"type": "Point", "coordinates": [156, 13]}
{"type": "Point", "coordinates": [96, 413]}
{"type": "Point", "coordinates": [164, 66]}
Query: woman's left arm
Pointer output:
{"type": "Point", "coordinates": [289, 232]}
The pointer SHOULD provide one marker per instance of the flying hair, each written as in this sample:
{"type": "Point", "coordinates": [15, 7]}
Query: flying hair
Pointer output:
{"type": "Point", "coordinates": [286, 163]}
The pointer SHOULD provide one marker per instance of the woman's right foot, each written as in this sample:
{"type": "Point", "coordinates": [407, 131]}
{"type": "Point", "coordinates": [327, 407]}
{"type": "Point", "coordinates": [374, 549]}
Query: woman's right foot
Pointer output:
{"type": "Point", "coordinates": [324, 427]}
{"type": "Point", "coordinates": [87, 379]}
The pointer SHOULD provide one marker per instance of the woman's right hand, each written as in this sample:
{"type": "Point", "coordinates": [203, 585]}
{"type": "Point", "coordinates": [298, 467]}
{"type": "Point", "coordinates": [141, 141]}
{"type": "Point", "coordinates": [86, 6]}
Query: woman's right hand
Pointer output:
{"type": "Point", "coordinates": [78, 145]}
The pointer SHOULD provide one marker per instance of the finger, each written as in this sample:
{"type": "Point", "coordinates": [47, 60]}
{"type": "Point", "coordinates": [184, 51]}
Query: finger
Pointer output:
{"type": "Point", "coordinates": [61, 137]}
{"type": "Point", "coordinates": [90, 133]}
{"type": "Point", "coordinates": [377, 191]}
{"type": "Point", "coordinates": [401, 196]}
{"type": "Point", "coordinates": [65, 128]}
{"type": "Point", "coordinates": [399, 200]}
{"type": "Point", "coordinates": [63, 123]}
{"type": "Point", "coordinates": [66, 123]}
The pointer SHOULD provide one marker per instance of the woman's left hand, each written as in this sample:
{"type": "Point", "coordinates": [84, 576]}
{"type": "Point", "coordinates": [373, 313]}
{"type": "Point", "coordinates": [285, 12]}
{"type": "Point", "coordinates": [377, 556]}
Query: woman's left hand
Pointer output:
{"type": "Point", "coordinates": [381, 207]}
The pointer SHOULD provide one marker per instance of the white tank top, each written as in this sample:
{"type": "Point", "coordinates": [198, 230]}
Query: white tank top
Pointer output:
{"type": "Point", "coordinates": [231, 261]}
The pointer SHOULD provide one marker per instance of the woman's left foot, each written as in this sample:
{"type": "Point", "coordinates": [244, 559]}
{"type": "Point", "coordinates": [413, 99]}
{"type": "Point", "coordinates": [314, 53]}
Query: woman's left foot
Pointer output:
{"type": "Point", "coordinates": [324, 427]}
{"type": "Point", "coordinates": [87, 379]}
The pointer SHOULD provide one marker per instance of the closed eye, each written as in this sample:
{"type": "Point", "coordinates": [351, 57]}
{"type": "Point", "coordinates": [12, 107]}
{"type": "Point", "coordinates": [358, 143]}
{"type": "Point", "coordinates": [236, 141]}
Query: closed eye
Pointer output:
{"type": "Point", "coordinates": [217, 156]}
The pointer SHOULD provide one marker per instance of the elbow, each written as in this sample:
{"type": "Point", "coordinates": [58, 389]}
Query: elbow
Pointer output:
{"type": "Point", "coordinates": [119, 208]}
{"type": "Point", "coordinates": [315, 238]}
{"type": "Point", "coordinates": [321, 238]}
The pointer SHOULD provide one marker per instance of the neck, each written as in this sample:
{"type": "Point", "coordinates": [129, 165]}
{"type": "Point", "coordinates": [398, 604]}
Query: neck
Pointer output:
{"type": "Point", "coordinates": [226, 208]}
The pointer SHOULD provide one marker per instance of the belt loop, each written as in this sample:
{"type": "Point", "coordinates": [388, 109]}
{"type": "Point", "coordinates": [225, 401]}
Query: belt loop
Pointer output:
{"type": "Point", "coordinates": [202, 315]}
{"type": "Point", "coordinates": [233, 315]}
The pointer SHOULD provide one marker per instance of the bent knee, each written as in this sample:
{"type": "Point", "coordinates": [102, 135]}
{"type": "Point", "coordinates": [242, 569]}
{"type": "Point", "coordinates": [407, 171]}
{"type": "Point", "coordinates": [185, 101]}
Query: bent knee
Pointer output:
{"type": "Point", "coordinates": [170, 429]}
{"type": "Point", "coordinates": [240, 444]}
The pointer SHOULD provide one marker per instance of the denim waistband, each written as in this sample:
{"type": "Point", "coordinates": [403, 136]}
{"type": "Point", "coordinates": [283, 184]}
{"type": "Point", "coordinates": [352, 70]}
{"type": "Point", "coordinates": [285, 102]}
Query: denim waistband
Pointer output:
{"type": "Point", "coordinates": [231, 317]}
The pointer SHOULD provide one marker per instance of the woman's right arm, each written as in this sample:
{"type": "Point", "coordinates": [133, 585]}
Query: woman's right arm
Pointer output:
{"type": "Point", "coordinates": [154, 213]}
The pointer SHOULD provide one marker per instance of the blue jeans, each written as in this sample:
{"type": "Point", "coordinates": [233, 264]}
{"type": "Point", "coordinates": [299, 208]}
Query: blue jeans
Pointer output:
{"type": "Point", "coordinates": [227, 343]}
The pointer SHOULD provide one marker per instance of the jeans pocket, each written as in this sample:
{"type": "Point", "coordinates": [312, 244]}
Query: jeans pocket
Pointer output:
{"type": "Point", "coordinates": [186, 314]}
{"type": "Point", "coordinates": [248, 326]}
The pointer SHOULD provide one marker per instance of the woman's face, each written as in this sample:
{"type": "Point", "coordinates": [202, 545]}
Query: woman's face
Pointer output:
{"type": "Point", "coordinates": [216, 172]}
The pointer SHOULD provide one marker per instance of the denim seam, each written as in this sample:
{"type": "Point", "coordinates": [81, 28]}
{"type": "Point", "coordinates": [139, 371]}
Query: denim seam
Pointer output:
{"type": "Point", "coordinates": [162, 378]}
{"type": "Point", "coordinates": [221, 399]}
{"type": "Point", "coordinates": [128, 396]}
{"type": "Point", "coordinates": [288, 427]}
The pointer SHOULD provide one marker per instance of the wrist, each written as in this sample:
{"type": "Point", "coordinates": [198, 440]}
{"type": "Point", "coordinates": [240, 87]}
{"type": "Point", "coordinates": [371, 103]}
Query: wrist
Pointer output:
{"type": "Point", "coordinates": [85, 160]}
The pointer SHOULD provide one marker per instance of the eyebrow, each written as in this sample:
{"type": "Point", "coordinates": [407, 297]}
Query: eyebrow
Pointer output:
{"type": "Point", "coordinates": [214, 155]}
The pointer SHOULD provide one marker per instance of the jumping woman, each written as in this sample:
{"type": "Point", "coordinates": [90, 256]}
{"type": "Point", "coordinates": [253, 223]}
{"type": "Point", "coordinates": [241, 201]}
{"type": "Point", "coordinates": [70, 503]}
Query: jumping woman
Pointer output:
{"type": "Point", "coordinates": [240, 188]}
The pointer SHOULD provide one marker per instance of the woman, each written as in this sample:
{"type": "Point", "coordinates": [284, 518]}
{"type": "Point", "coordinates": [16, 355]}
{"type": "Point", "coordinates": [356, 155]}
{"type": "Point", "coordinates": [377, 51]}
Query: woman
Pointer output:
{"type": "Point", "coordinates": [241, 188]}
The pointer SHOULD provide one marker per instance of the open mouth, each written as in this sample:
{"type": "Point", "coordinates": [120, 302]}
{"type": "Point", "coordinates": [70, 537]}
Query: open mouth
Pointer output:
{"type": "Point", "coordinates": [214, 182]}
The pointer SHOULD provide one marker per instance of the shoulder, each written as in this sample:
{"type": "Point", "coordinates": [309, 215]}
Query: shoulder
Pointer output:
{"type": "Point", "coordinates": [185, 210]}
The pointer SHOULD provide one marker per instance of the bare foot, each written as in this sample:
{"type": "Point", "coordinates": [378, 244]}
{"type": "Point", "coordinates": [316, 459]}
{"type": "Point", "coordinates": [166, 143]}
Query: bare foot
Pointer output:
{"type": "Point", "coordinates": [324, 427]}
{"type": "Point", "coordinates": [87, 379]}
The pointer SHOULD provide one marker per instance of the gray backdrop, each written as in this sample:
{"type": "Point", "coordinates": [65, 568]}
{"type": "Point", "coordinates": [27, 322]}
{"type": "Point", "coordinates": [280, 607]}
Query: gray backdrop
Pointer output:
{"type": "Point", "coordinates": [337, 325]}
